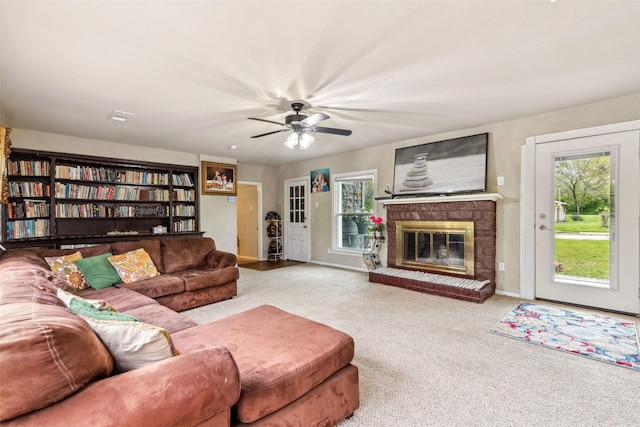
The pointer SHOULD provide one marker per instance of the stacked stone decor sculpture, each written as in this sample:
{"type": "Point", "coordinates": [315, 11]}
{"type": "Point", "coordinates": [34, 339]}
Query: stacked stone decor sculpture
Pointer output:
{"type": "Point", "coordinates": [418, 177]}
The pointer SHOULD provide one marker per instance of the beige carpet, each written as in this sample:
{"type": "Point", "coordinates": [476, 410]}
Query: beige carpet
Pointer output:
{"type": "Point", "coordinates": [431, 361]}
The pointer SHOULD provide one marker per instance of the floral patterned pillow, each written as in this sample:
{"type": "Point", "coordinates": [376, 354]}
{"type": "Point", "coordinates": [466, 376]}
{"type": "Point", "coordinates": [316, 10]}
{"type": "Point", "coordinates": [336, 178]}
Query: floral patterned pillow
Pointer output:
{"type": "Point", "coordinates": [65, 267]}
{"type": "Point", "coordinates": [134, 265]}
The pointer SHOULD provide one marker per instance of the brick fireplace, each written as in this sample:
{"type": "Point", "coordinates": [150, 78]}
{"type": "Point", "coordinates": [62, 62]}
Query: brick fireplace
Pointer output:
{"type": "Point", "coordinates": [455, 212]}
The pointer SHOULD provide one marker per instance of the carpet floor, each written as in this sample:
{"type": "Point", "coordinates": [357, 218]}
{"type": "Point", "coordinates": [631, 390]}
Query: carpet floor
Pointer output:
{"type": "Point", "coordinates": [426, 360]}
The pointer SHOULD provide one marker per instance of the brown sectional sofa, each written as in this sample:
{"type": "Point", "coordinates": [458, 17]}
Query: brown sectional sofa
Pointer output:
{"type": "Point", "coordinates": [262, 367]}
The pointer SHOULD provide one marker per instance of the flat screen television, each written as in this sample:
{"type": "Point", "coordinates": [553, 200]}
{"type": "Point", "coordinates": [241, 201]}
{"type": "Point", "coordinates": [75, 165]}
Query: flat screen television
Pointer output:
{"type": "Point", "coordinates": [452, 166]}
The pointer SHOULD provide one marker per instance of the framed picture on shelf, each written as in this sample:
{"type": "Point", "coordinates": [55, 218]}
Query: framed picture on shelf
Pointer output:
{"type": "Point", "coordinates": [219, 179]}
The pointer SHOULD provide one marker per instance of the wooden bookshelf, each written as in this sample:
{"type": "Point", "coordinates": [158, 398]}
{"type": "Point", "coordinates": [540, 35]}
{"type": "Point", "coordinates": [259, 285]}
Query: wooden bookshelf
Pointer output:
{"type": "Point", "coordinates": [64, 199]}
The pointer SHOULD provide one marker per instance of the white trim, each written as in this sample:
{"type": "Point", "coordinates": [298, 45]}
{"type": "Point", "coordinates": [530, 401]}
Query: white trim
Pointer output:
{"type": "Point", "coordinates": [440, 199]}
{"type": "Point", "coordinates": [527, 193]}
{"type": "Point", "coordinates": [335, 200]}
{"type": "Point", "coordinates": [509, 294]}
{"type": "Point", "coordinates": [362, 269]}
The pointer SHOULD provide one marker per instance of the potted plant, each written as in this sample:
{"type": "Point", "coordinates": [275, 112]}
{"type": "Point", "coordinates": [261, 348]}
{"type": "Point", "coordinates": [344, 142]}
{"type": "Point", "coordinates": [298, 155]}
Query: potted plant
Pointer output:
{"type": "Point", "coordinates": [376, 226]}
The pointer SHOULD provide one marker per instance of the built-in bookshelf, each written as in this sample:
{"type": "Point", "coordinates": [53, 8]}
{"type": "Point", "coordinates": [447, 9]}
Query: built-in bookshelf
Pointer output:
{"type": "Point", "coordinates": [62, 199]}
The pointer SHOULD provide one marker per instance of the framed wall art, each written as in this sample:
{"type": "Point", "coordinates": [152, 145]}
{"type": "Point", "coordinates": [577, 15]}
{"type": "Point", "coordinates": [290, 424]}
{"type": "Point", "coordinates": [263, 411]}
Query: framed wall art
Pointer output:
{"type": "Point", "coordinates": [444, 167]}
{"type": "Point", "coordinates": [5, 148]}
{"type": "Point", "coordinates": [320, 180]}
{"type": "Point", "coordinates": [219, 179]}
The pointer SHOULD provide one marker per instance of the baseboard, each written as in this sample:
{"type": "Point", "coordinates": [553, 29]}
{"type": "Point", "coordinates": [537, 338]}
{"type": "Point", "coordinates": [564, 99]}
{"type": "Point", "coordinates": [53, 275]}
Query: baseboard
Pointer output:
{"type": "Point", "coordinates": [345, 267]}
{"type": "Point", "coordinates": [508, 294]}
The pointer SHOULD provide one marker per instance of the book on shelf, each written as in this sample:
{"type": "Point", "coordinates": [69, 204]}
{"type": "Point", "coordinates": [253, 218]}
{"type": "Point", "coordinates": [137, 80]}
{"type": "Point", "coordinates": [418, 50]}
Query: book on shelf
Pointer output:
{"type": "Point", "coordinates": [28, 189]}
{"type": "Point", "coordinates": [28, 168]}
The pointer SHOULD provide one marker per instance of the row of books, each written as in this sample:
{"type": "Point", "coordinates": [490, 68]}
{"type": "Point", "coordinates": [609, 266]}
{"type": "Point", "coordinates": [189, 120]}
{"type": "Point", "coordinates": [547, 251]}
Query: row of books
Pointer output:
{"type": "Point", "coordinates": [184, 225]}
{"type": "Point", "coordinates": [28, 167]}
{"type": "Point", "coordinates": [102, 174]}
{"type": "Point", "coordinates": [107, 192]}
{"type": "Point", "coordinates": [27, 209]}
{"type": "Point", "coordinates": [28, 228]}
{"type": "Point", "coordinates": [183, 195]}
{"type": "Point", "coordinates": [184, 210]}
{"type": "Point", "coordinates": [28, 189]}
{"type": "Point", "coordinates": [183, 179]}
{"type": "Point", "coordinates": [91, 210]}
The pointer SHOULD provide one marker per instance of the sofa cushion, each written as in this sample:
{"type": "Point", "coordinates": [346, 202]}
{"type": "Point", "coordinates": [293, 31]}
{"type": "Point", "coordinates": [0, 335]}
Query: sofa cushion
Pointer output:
{"type": "Point", "coordinates": [167, 284]}
{"type": "Point", "coordinates": [160, 315]}
{"type": "Point", "coordinates": [185, 253]}
{"type": "Point", "coordinates": [121, 299]}
{"type": "Point", "coordinates": [64, 266]}
{"type": "Point", "coordinates": [152, 246]}
{"type": "Point", "coordinates": [134, 265]}
{"type": "Point", "coordinates": [98, 271]}
{"type": "Point", "coordinates": [280, 356]}
{"type": "Point", "coordinates": [27, 285]}
{"type": "Point", "coordinates": [46, 354]}
{"type": "Point", "coordinates": [208, 277]}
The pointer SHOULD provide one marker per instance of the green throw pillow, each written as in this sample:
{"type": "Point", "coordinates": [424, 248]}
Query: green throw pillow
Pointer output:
{"type": "Point", "coordinates": [98, 271]}
{"type": "Point", "coordinates": [84, 308]}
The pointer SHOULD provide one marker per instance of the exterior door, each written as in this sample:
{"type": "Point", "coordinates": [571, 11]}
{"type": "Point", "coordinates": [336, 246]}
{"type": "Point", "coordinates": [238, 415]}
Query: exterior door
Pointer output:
{"type": "Point", "coordinates": [296, 231]}
{"type": "Point", "coordinates": [588, 258]}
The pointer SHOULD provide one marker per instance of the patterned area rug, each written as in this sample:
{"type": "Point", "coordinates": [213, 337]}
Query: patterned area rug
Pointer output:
{"type": "Point", "coordinates": [607, 339]}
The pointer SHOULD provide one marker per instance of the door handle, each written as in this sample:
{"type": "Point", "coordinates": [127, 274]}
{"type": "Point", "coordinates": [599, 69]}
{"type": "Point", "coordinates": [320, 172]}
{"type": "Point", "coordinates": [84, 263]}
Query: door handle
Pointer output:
{"type": "Point", "coordinates": [543, 228]}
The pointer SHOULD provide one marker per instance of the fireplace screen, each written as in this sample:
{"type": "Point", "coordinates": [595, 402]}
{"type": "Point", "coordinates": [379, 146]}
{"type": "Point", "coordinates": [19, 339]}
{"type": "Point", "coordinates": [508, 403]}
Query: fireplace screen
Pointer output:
{"type": "Point", "coordinates": [436, 245]}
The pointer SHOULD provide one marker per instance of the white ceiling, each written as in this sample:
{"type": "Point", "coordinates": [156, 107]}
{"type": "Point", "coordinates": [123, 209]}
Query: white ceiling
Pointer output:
{"type": "Point", "coordinates": [193, 71]}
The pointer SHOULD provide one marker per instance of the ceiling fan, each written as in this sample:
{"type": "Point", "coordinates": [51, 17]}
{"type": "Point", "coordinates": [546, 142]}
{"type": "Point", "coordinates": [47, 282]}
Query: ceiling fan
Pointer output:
{"type": "Point", "coordinates": [301, 124]}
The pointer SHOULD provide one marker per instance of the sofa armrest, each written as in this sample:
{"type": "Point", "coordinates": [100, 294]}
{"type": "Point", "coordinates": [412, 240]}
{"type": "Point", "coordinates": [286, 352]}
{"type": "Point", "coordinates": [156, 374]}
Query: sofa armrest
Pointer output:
{"type": "Point", "coordinates": [181, 391]}
{"type": "Point", "coordinates": [221, 259]}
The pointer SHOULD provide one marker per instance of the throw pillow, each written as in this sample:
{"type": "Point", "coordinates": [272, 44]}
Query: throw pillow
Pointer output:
{"type": "Point", "coordinates": [65, 267]}
{"type": "Point", "coordinates": [66, 297]}
{"type": "Point", "coordinates": [98, 271]}
{"type": "Point", "coordinates": [134, 265]}
{"type": "Point", "coordinates": [133, 344]}
{"type": "Point", "coordinates": [86, 309]}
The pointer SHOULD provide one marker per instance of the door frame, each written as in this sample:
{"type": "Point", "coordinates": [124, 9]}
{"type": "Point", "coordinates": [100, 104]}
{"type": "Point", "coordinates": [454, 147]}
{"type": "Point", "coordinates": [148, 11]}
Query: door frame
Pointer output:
{"type": "Point", "coordinates": [285, 216]}
{"type": "Point", "coordinates": [527, 195]}
{"type": "Point", "coordinates": [258, 184]}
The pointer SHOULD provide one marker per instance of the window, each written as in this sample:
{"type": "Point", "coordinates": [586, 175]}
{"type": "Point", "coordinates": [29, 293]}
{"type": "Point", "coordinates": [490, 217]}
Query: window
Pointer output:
{"type": "Point", "coordinates": [353, 204]}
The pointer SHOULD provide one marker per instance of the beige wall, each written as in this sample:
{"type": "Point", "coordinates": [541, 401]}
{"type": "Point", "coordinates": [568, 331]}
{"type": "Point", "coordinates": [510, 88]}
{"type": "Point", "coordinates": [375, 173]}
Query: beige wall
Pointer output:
{"type": "Point", "coordinates": [505, 141]}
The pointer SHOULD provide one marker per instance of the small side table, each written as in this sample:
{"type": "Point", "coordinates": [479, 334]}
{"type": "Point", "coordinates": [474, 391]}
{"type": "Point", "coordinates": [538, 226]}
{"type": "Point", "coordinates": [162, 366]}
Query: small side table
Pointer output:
{"type": "Point", "coordinates": [372, 246]}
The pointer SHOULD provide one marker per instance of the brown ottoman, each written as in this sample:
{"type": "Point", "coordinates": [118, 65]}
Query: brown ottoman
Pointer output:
{"type": "Point", "coordinates": [291, 368]}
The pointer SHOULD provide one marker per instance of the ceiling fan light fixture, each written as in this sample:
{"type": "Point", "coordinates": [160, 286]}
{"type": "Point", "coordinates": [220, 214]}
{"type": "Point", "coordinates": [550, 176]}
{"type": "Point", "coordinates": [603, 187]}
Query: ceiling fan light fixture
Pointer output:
{"type": "Point", "coordinates": [292, 141]}
{"type": "Point", "coordinates": [305, 141]}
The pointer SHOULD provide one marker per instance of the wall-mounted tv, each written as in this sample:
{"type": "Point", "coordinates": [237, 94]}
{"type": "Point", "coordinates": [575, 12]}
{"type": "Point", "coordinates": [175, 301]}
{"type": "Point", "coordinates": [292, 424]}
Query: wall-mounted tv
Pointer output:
{"type": "Point", "coordinates": [445, 167]}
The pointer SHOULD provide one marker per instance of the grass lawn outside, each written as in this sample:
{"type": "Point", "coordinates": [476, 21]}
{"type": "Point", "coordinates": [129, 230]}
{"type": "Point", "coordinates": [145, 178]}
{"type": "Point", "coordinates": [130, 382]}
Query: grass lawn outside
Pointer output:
{"type": "Point", "coordinates": [587, 224]}
{"type": "Point", "coordinates": [583, 258]}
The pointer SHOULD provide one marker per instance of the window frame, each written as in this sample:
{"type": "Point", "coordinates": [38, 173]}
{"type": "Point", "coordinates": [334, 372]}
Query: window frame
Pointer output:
{"type": "Point", "coordinates": [337, 214]}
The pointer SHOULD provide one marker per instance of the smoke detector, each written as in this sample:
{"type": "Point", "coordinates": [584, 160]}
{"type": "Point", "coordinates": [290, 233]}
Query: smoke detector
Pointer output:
{"type": "Point", "coordinates": [120, 116]}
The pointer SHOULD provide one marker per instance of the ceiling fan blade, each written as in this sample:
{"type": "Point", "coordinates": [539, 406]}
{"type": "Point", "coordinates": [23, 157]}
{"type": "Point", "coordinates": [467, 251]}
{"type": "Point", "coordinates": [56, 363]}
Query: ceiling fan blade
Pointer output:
{"type": "Point", "coordinates": [334, 131]}
{"type": "Point", "coordinates": [312, 120]}
{"type": "Point", "coordinates": [268, 121]}
{"type": "Point", "coordinates": [270, 133]}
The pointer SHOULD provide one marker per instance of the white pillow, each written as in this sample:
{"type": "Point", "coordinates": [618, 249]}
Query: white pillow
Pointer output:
{"type": "Point", "coordinates": [133, 344]}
